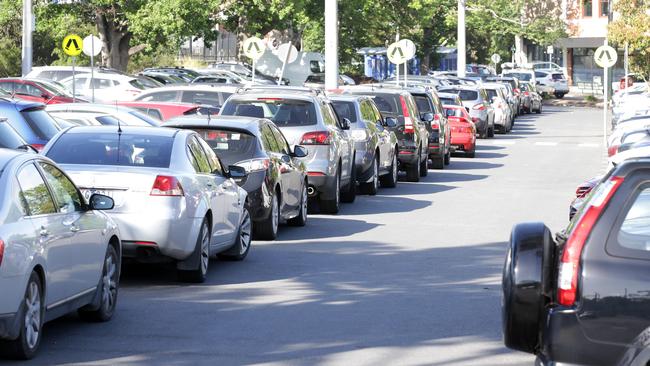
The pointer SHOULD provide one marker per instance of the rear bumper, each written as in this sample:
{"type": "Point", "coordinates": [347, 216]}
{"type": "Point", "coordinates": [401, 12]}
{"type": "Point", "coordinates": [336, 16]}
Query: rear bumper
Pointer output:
{"type": "Point", "coordinates": [466, 140]}
{"type": "Point", "coordinates": [321, 186]}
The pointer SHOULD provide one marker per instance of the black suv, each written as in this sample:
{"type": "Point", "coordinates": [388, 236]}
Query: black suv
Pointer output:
{"type": "Point", "coordinates": [411, 131]}
{"type": "Point", "coordinates": [584, 298]}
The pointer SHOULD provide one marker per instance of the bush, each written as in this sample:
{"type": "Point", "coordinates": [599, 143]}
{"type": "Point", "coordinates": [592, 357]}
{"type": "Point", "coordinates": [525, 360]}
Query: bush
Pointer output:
{"type": "Point", "coordinates": [10, 58]}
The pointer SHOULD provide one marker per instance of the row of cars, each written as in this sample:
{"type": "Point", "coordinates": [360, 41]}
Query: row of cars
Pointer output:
{"type": "Point", "coordinates": [582, 296]}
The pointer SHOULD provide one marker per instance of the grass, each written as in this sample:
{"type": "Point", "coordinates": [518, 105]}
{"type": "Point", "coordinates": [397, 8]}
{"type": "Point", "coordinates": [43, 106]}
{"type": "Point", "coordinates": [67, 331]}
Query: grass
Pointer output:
{"type": "Point", "coordinates": [590, 98]}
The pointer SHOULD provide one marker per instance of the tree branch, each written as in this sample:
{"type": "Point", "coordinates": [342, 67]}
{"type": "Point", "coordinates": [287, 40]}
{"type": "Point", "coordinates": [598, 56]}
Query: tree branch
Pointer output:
{"type": "Point", "coordinates": [494, 14]}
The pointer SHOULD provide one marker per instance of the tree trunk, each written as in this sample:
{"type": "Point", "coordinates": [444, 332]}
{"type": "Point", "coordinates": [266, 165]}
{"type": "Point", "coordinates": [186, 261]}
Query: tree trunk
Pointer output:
{"type": "Point", "coordinates": [115, 43]}
{"type": "Point", "coordinates": [520, 55]}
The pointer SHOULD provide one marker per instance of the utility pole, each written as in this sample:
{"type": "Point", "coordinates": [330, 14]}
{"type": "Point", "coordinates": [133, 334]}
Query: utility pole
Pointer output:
{"type": "Point", "coordinates": [461, 46]}
{"type": "Point", "coordinates": [331, 45]}
{"type": "Point", "coordinates": [28, 29]}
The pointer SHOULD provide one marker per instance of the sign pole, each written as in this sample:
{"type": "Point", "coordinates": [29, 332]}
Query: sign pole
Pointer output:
{"type": "Point", "coordinates": [253, 80]}
{"type": "Point", "coordinates": [605, 104]}
{"type": "Point", "coordinates": [74, 92]}
{"type": "Point", "coordinates": [397, 74]}
{"type": "Point", "coordinates": [92, 69]}
{"type": "Point", "coordinates": [284, 64]}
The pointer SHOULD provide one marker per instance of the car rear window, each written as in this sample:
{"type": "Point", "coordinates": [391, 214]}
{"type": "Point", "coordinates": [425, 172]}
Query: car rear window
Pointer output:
{"type": "Point", "coordinates": [424, 106]}
{"type": "Point", "coordinates": [284, 112]}
{"type": "Point", "coordinates": [520, 75]}
{"type": "Point", "coordinates": [230, 146]}
{"type": "Point", "coordinates": [448, 101]}
{"type": "Point", "coordinates": [557, 76]}
{"type": "Point", "coordinates": [40, 123]}
{"type": "Point", "coordinates": [9, 138]}
{"type": "Point", "coordinates": [463, 94]}
{"type": "Point", "coordinates": [491, 93]}
{"type": "Point", "coordinates": [112, 149]}
{"type": "Point", "coordinates": [199, 97]}
{"type": "Point", "coordinates": [345, 110]}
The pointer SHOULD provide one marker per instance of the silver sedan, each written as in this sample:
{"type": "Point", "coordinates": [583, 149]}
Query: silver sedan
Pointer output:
{"type": "Point", "coordinates": [58, 253]}
{"type": "Point", "coordinates": [173, 198]}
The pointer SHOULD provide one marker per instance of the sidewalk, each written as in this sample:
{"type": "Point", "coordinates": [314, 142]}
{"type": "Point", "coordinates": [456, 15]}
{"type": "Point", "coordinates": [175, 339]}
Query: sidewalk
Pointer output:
{"type": "Point", "coordinates": [573, 100]}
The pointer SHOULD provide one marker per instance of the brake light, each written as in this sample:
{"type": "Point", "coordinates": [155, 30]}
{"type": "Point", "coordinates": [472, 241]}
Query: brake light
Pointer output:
{"type": "Point", "coordinates": [516, 90]}
{"type": "Point", "coordinates": [165, 185]}
{"type": "Point", "coordinates": [315, 174]}
{"type": "Point", "coordinates": [316, 138]}
{"type": "Point", "coordinates": [478, 107]}
{"type": "Point", "coordinates": [38, 147]}
{"type": "Point", "coordinates": [408, 122]}
{"type": "Point", "coordinates": [526, 93]}
{"type": "Point", "coordinates": [475, 119]}
{"type": "Point", "coordinates": [570, 262]}
{"type": "Point", "coordinates": [269, 99]}
{"type": "Point", "coordinates": [2, 250]}
{"type": "Point", "coordinates": [254, 165]}
{"type": "Point", "coordinates": [435, 123]}
{"type": "Point", "coordinates": [612, 150]}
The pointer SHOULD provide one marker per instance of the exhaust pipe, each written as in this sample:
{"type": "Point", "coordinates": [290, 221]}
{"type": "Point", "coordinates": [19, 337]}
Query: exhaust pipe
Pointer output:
{"type": "Point", "coordinates": [311, 191]}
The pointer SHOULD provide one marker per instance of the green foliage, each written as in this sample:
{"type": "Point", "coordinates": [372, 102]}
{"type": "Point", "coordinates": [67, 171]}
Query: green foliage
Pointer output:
{"type": "Point", "coordinates": [10, 57]}
{"type": "Point", "coordinates": [632, 27]}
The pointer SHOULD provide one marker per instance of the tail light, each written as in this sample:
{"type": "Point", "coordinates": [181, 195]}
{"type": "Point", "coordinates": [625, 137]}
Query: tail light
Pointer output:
{"type": "Point", "coordinates": [408, 122]}
{"type": "Point", "coordinates": [254, 165]}
{"type": "Point", "coordinates": [526, 94]}
{"type": "Point", "coordinates": [2, 250]}
{"type": "Point", "coordinates": [165, 185]}
{"type": "Point", "coordinates": [435, 124]}
{"type": "Point", "coordinates": [516, 90]}
{"type": "Point", "coordinates": [612, 150]}
{"type": "Point", "coordinates": [570, 262]}
{"type": "Point", "coordinates": [478, 107]}
{"type": "Point", "coordinates": [475, 119]}
{"type": "Point", "coordinates": [316, 138]}
{"type": "Point", "coordinates": [38, 147]}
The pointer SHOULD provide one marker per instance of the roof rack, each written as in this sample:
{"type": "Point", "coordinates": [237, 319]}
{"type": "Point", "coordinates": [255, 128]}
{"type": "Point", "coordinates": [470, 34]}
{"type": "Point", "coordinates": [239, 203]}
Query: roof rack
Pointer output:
{"type": "Point", "coordinates": [283, 88]}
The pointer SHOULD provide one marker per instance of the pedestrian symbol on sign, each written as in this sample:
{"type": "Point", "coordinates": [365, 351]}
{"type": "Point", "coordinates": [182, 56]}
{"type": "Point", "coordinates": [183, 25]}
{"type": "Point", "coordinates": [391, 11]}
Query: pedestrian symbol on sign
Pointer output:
{"type": "Point", "coordinates": [605, 56]}
{"type": "Point", "coordinates": [72, 45]}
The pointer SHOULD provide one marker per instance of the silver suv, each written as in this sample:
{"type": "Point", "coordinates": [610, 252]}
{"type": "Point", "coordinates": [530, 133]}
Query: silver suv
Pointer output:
{"type": "Point", "coordinates": [306, 117]}
{"type": "Point", "coordinates": [476, 99]}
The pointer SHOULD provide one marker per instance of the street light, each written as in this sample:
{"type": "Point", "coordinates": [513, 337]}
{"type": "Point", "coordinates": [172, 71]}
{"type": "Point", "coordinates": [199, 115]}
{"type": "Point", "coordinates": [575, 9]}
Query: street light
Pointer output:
{"type": "Point", "coordinates": [28, 29]}
{"type": "Point", "coordinates": [461, 46]}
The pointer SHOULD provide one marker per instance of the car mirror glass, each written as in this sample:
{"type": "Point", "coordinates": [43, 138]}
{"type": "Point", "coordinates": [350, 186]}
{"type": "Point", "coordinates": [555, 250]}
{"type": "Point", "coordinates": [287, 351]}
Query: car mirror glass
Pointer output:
{"type": "Point", "coordinates": [101, 202]}
{"type": "Point", "coordinates": [426, 117]}
{"type": "Point", "coordinates": [300, 151]}
{"type": "Point", "coordinates": [236, 172]}
{"type": "Point", "coordinates": [345, 124]}
{"type": "Point", "coordinates": [391, 122]}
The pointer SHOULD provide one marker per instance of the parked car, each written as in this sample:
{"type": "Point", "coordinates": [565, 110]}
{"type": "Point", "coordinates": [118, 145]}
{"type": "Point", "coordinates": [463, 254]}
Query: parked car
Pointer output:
{"type": "Point", "coordinates": [402, 117]}
{"type": "Point", "coordinates": [30, 120]}
{"type": "Point", "coordinates": [173, 198]}
{"type": "Point", "coordinates": [217, 79]}
{"type": "Point", "coordinates": [58, 73]}
{"type": "Point", "coordinates": [375, 145]}
{"type": "Point", "coordinates": [277, 177]}
{"type": "Point", "coordinates": [306, 117]}
{"type": "Point", "coordinates": [527, 75]}
{"type": "Point", "coordinates": [166, 110]}
{"type": "Point", "coordinates": [163, 78]}
{"type": "Point", "coordinates": [614, 140]}
{"type": "Point", "coordinates": [35, 90]}
{"type": "Point", "coordinates": [108, 87]}
{"type": "Point", "coordinates": [10, 139]}
{"type": "Point", "coordinates": [58, 253]}
{"type": "Point", "coordinates": [100, 114]}
{"type": "Point", "coordinates": [186, 74]}
{"type": "Point", "coordinates": [480, 107]}
{"type": "Point", "coordinates": [449, 99]}
{"type": "Point", "coordinates": [555, 80]}
{"type": "Point", "coordinates": [503, 115]}
{"type": "Point", "coordinates": [514, 85]}
{"type": "Point", "coordinates": [463, 131]}
{"type": "Point", "coordinates": [531, 93]}
{"type": "Point", "coordinates": [207, 95]}
{"type": "Point", "coordinates": [581, 298]}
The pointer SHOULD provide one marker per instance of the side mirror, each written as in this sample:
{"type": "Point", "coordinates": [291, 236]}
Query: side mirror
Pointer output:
{"type": "Point", "coordinates": [467, 109]}
{"type": "Point", "coordinates": [300, 151]}
{"type": "Point", "coordinates": [236, 172]}
{"type": "Point", "coordinates": [345, 124]}
{"type": "Point", "coordinates": [101, 202]}
{"type": "Point", "coordinates": [538, 82]}
{"type": "Point", "coordinates": [390, 122]}
{"type": "Point", "coordinates": [45, 96]}
{"type": "Point", "coordinates": [426, 117]}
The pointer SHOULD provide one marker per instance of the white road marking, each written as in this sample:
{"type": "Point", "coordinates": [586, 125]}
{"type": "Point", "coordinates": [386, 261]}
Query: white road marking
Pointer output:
{"type": "Point", "coordinates": [497, 142]}
{"type": "Point", "coordinates": [546, 143]}
{"type": "Point", "coordinates": [588, 145]}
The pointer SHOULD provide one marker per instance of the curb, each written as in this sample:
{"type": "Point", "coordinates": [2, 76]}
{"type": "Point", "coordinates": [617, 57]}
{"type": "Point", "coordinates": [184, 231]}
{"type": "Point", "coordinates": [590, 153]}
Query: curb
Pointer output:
{"type": "Point", "coordinates": [570, 102]}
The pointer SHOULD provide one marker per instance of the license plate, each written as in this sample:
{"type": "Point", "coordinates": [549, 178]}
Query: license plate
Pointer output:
{"type": "Point", "coordinates": [89, 192]}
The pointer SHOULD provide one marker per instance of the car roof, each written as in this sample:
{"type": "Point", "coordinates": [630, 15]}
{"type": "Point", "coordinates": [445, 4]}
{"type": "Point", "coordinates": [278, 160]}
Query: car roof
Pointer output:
{"type": "Point", "coordinates": [229, 122]}
{"type": "Point", "coordinates": [126, 130]}
{"type": "Point", "coordinates": [194, 87]}
{"type": "Point", "coordinates": [281, 94]}
{"type": "Point", "coordinates": [346, 97]}
{"type": "Point", "coordinates": [447, 95]}
{"type": "Point", "coordinates": [461, 87]}
{"type": "Point", "coordinates": [21, 104]}
{"type": "Point", "coordinates": [86, 107]}
{"type": "Point", "coordinates": [373, 88]}
{"type": "Point", "coordinates": [6, 155]}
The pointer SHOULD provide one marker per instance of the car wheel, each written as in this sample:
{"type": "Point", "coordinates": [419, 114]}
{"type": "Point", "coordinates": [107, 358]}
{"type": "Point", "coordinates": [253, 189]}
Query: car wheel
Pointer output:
{"type": "Point", "coordinates": [202, 251]}
{"type": "Point", "coordinates": [490, 132]}
{"type": "Point", "coordinates": [471, 153]}
{"type": "Point", "coordinates": [539, 110]}
{"type": "Point", "coordinates": [332, 206]}
{"type": "Point", "coordinates": [559, 95]}
{"type": "Point", "coordinates": [350, 193]}
{"type": "Point", "coordinates": [448, 158]}
{"type": "Point", "coordinates": [268, 229]}
{"type": "Point", "coordinates": [32, 311]}
{"type": "Point", "coordinates": [413, 172]}
{"type": "Point", "coordinates": [526, 284]}
{"type": "Point", "coordinates": [390, 180]}
{"type": "Point", "coordinates": [424, 166]}
{"type": "Point", "coordinates": [301, 219]}
{"type": "Point", "coordinates": [372, 187]}
{"type": "Point", "coordinates": [242, 245]}
{"type": "Point", "coordinates": [108, 289]}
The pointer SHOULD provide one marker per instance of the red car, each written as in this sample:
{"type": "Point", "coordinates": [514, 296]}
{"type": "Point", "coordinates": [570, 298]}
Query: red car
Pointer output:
{"type": "Point", "coordinates": [164, 110]}
{"type": "Point", "coordinates": [37, 90]}
{"type": "Point", "coordinates": [463, 130]}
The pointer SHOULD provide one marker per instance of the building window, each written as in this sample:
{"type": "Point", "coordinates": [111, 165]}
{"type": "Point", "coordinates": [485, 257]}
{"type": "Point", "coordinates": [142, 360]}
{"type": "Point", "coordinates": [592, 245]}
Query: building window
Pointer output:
{"type": "Point", "coordinates": [604, 8]}
{"type": "Point", "coordinates": [587, 8]}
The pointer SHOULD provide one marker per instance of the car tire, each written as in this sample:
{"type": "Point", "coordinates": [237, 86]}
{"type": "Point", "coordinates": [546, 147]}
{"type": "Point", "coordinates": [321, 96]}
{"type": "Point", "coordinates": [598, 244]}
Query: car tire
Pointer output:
{"type": "Point", "coordinates": [268, 228]}
{"type": "Point", "coordinates": [448, 158]}
{"type": "Point", "coordinates": [424, 166]}
{"type": "Point", "coordinates": [202, 250]}
{"type": "Point", "coordinates": [490, 132]}
{"type": "Point", "coordinates": [242, 246]}
{"type": "Point", "coordinates": [390, 180]}
{"type": "Point", "coordinates": [559, 95]}
{"type": "Point", "coordinates": [332, 206]}
{"type": "Point", "coordinates": [413, 172]}
{"type": "Point", "coordinates": [107, 289]}
{"type": "Point", "coordinates": [350, 194]}
{"type": "Point", "coordinates": [371, 188]}
{"type": "Point", "coordinates": [301, 219]}
{"type": "Point", "coordinates": [526, 285]}
{"type": "Point", "coordinates": [539, 110]}
{"type": "Point", "coordinates": [25, 346]}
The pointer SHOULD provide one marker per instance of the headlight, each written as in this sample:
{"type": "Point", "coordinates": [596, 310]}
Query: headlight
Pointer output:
{"type": "Point", "coordinates": [359, 135]}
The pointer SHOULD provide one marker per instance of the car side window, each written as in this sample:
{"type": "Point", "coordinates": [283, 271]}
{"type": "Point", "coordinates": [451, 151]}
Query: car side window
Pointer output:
{"type": "Point", "coordinates": [200, 162]}
{"type": "Point", "coordinates": [282, 142]}
{"type": "Point", "coordinates": [328, 115]}
{"type": "Point", "coordinates": [215, 165]}
{"type": "Point", "coordinates": [163, 96]}
{"type": "Point", "coordinates": [65, 193]}
{"type": "Point", "coordinates": [268, 140]}
{"type": "Point", "coordinates": [634, 232]}
{"type": "Point", "coordinates": [378, 117]}
{"type": "Point", "coordinates": [367, 114]}
{"type": "Point", "coordinates": [34, 194]}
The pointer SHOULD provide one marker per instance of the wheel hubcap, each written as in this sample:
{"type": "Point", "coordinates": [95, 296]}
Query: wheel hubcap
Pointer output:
{"type": "Point", "coordinates": [338, 190]}
{"type": "Point", "coordinates": [303, 209]}
{"type": "Point", "coordinates": [276, 214]}
{"type": "Point", "coordinates": [109, 288]}
{"type": "Point", "coordinates": [32, 315]}
{"type": "Point", "coordinates": [205, 248]}
{"type": "Point", "coordinates": [394, 167]}
{"type": "Point", "coordinates": [245, 233]}
{"type": "Point", "coordinates": [375, 179]}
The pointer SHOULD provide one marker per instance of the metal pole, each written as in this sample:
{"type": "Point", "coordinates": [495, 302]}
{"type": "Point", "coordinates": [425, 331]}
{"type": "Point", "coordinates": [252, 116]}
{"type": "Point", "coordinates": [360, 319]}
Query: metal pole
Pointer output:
{"type": "Point", "coordinates": [92, 68]}
{"type": "Point", "coordinates": [605, 102]}
{"type": "Point", "coordinates": [331, 45]}
{"type": "Point", "coordinates": [461, 46]}
{"type": "Point", "coordinates": [28, 29]}
{"type": "Point", "coordinates": [284, 64]}
{"type": "Point", "coordinates": [253, 79]}
{"type": "Point", "coordinates": [626, 61]}
{"type": "Point", "coordinates": [74, 91]}
{"type": "Point", "coordinates": [406, 72]}
{"type": "Point", "coordinates": [397, 74]}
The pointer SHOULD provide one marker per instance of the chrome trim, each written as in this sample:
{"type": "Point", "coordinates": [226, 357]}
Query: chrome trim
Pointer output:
{"type": "Point", "coordinates": [73, 297]}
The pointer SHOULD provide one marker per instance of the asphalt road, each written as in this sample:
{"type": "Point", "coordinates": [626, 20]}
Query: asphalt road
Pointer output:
{"type": "Point", "coordinates": [408, 277]}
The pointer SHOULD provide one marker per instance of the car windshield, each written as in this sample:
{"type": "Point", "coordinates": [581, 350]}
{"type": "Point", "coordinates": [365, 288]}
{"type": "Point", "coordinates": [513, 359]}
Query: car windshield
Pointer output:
{"type": "Point", "coordinates": [112, 149]}
{"type": "Point", "coordinates": [345, 110]}
{"type": "Point", "coordinates": [492, 93]}
{"type": "Point", "coordinates": [557, 76]}
{"type": "Point", "coordinates": [40, 123]}
{"type": "Point", "coordinates": [230, 146]}
{"type": "Point", "coordinates": [54, 88]}
{"type": "Point", "coordinates": [9, 138]}
{"type": "Point", "coordinates": [520, 75]}
{"type": "Point", "coordinates": [284, 112]}
{"type": "Point", "coordinates": [423, 103]}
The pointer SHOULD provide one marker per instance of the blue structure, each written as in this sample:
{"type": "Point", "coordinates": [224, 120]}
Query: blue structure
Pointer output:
{"type": "Point", "coordinates": [377, 66]}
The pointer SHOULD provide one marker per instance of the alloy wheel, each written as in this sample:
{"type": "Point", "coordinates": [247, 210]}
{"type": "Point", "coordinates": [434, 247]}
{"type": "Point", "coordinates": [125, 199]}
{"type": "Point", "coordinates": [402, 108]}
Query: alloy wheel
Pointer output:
{"type": "Point", "coordinates": [245, 233]}
{"type": "Point", "coordinates": [303, 204]}
{"type": "Point", "coordinates": [109, 289]}
{"type": "Point", "coordinates": [205, 248]}
{"type": "Point", "coordinates": [33, 315]}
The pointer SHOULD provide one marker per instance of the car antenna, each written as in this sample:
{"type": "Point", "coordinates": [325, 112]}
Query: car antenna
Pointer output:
{"type": "Point", "coordinates": [119, 131]}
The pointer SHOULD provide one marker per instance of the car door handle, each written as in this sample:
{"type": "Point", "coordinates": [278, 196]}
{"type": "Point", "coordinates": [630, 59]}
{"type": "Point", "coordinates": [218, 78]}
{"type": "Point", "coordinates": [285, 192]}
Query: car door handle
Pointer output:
{"type": "Point", "coordinates": [44, 231]}
{"type": "Point", "coordinates": [209, 184]}
{"type": "Point", "coordinates": [74, 229]}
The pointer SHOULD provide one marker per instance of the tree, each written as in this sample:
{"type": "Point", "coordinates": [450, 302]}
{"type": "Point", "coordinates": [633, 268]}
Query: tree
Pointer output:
{"type": "Point", "coordinates": [632, 27]}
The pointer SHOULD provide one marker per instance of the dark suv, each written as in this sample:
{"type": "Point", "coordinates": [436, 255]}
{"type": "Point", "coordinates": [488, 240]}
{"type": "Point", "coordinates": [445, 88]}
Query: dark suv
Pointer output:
{"type": "Point", "coordinates": [411, 131]}
{"type": "Point", "coordinates": [584, 298]}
